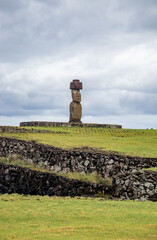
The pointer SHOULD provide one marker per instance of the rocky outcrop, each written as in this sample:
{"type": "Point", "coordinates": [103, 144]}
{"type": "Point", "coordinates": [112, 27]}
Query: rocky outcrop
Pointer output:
{"type": "Point", "coordinates": [15, 179]}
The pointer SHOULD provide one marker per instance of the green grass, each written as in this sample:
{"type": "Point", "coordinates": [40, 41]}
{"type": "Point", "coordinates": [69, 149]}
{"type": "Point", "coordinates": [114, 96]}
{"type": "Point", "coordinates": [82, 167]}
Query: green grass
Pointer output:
{"type": "Point", "coordinates": [135, 142]}
{"type": "Point", "coordinates": [49, 218]}
{"type": "Point", "coordinates": [94, 177]}
{"type": "Point", "coordinates": [152, 169]}
{"type": "Point", "coordinates": [52, 218]}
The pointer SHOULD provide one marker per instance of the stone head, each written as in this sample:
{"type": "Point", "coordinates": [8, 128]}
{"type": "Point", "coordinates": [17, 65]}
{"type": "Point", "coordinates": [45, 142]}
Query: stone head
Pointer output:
{"type": "Point", "coordinates": [76, 96]}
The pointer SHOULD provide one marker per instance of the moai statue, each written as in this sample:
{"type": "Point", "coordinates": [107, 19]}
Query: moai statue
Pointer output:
{"type": "Point", "coordinates": [75, 105]}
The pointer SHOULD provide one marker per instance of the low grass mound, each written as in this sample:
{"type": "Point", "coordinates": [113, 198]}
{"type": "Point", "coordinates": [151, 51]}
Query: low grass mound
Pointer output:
{"type": "Point", "coordinates": [135, 142]}
{"type": "Point", "coordinates": [36, 217]}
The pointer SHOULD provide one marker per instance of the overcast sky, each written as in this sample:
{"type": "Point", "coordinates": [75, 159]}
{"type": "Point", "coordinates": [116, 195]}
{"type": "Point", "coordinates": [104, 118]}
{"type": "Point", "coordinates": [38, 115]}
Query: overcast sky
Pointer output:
{"type": "Point", "coordinates": [110, 45]}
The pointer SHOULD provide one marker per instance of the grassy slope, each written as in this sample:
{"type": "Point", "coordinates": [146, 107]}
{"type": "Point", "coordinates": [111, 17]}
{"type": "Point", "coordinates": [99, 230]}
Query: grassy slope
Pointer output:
{"type": "Point", "coordinates": [35, 217]}
{"type": "Point", "coordinates": [127, 141]}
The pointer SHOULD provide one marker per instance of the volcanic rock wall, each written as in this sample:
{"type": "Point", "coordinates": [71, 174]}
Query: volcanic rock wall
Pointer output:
{"type": "Point", "coordinates": [127, 182]}
{"type": "Point", "coordinates": [136, 186]}
{"type": "Point", "coordinates": [15, 179]}
{"type": "Point", "coordinates": [57, 159]}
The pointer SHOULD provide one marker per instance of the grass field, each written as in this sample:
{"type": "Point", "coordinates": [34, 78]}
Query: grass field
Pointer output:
{"type": "Point", "coordinates": [48, 218]}
{"type": "Point", "coordinates": [135, 142]}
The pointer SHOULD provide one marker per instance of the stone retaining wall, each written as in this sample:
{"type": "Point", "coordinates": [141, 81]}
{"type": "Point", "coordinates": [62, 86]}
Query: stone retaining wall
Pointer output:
{"type": "Point", "coordinates": [15, 179]}
{"type": "Point", "coordinates": [9, 129]}
{"type": "Point", "coordinates": [65, 124]}
{"type": "Point", "coordinates": [57, 159]}
{"type": "Point", "coordinates": [127, 182]}
{"type": "Point", "coordinates": [136, 186]}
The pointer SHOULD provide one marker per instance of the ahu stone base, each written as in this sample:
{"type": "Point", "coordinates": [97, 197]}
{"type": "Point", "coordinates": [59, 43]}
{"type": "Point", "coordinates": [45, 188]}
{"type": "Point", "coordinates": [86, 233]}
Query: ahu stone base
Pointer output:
{"type": "Point", "coordinates": [65, 124]}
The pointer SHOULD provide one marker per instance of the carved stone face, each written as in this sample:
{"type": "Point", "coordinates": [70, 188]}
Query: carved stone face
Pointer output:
{"type": "Point", "coordinates": [76, 96]}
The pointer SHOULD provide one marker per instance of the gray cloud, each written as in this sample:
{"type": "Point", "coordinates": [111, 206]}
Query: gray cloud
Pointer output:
{"type": "Point", "coordinates": [36, 28]}
{"type": "Point", "coordinates": [110, 45]}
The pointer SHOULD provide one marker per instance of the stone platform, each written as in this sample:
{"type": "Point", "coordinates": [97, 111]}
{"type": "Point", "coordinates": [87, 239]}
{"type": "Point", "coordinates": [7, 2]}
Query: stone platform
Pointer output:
{"type": "Point", "coordinates": [65, 124]}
